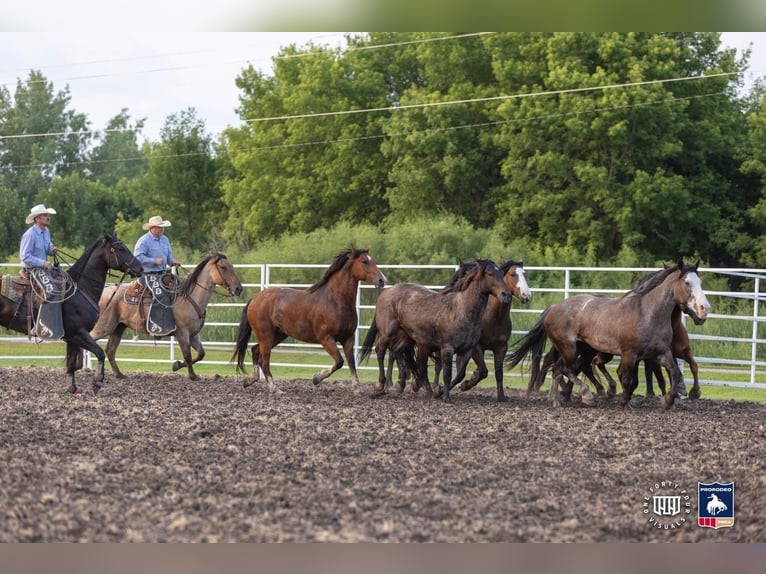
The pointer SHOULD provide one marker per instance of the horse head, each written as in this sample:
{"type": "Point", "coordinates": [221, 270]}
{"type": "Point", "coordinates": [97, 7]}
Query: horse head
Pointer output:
{"type": "Point", "coordinates": [690, 296]}
{"type": "Point", "coordinates": [515, 278]}
{"type": "Point", "coordinates": [493, 280]}
{"type": "Point", "coordinates": [365, 269]}
{"type": "Point", "coordinates": [222, 273]}
{"type": "Point", "coordinates": [119, 257]}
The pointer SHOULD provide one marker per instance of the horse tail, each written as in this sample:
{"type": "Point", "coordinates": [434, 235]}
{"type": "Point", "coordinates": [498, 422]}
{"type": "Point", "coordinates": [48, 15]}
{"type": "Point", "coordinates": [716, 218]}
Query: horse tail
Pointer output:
{"type": "Point", "coordinates": [533, 343]}
{"type": "Point", "coordinates": [366, 348]}
{"type": "Point", "coordinates": [243, 338]}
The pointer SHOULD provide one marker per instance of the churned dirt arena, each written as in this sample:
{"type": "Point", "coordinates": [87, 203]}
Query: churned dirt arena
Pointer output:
{"type": "Point", "coordinates": [158, 458]}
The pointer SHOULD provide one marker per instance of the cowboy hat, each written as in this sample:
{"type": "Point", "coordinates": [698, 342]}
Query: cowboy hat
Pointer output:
{"type": "Point", "coordinates": [39, 210]}
{"type": "Point", "coordinates": [156, 221]}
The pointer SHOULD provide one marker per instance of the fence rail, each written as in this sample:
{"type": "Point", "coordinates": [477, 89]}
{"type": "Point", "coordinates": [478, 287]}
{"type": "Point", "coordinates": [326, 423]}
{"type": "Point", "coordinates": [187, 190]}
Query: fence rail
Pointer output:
{"type": "Point", "coordinates": [730, 347]}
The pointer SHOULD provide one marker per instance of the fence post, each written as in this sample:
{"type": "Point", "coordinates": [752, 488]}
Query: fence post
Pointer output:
{"type": "Point", "coordinates": [753, 352]}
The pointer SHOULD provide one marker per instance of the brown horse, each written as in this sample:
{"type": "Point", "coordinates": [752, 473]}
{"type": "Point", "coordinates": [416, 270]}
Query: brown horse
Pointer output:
{"type": "Point", "coordinates": [79, 310]}
{"type": "Point", "coordinates": [681, 348]}
{"type": "Point", "coordinates": [496, 327]}
{"type": "Point", "coordinates": [636, 326]}
{"type": "Point", "coordinates": [448, 321]}
{"type": "Point", "coordinates": [325, 313]}
{"type": "Point", "coordinates": [119, 311]}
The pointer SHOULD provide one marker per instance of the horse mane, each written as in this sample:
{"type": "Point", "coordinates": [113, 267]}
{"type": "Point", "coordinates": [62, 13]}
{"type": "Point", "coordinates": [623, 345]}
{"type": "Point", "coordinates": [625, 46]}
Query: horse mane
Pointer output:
{"type": "Point", "coordinates": [188, 282]}
{"type": "Point", "coordinates": [504, 267]}
{"type": "Point", "coordinates": [337, 264]}
{"type": "Point", "coordinates": [655, 278]}
{"type": "Point", "coordinates": [465, 275]}
{"type": "Point", "coordinates": [75, 271]}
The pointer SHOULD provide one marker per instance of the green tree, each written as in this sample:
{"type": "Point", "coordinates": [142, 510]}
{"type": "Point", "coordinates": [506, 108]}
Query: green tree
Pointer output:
{"type": "Point", "coordinates": [301, 174]}
{"type": "Point", "coordinates": [116, 153]}
{"type": "Point", "coordinates": [40, 139]}
{"type": "Point", "coordinates": [181, 183]}
{"type": "Point", "coordinates": [646, 166]}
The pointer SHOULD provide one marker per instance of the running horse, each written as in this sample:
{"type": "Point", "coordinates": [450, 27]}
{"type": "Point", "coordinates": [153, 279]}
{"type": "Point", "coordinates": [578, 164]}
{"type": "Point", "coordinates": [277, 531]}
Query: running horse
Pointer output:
{"type": "Point", "coordinates": [79, 309]}
{"type": "Point", "coordinates": [120, 311]}
{"type": "Point", "coordinates": [636, 326]}
{"type": "Point", "coordinates": [448, 322]}
{"type": "Point", "coordinates": [325, 313]}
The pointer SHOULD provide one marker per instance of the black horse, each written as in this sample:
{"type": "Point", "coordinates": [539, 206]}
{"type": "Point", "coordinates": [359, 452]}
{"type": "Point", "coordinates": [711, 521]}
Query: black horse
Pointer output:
{"type": "Point", "coordinates": [79, 308]}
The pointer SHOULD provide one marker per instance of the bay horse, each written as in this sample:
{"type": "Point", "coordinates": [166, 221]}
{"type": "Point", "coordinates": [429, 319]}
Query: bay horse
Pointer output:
{"type": "Point", "coordinates": [636, 326]}
{"type": "Point", "coordinates": [447, 321]}
{"type": "Point", "coordinates": [325, 313]}
{"type": "Point", "coordinates": [79, 309]}
{"type": "Point", "coordinates": [496, 327]}
{"type": "Point", "coordinates": [119, 311]}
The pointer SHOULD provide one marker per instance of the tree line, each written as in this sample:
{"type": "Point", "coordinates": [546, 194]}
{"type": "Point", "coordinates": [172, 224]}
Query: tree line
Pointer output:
{"type": "Point", "coordinates": [587, 147]}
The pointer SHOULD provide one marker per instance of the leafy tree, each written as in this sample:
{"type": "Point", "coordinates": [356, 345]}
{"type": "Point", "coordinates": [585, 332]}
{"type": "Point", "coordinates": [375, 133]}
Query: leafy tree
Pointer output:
{"type": "Point", "coordinates": [116, 154]}
{"type": "Point", "coordinates": [645, 166]}
{"type": "Point", "coordinates": [181, 183]}
{"type": "Point", "coordinates": [40, 139]}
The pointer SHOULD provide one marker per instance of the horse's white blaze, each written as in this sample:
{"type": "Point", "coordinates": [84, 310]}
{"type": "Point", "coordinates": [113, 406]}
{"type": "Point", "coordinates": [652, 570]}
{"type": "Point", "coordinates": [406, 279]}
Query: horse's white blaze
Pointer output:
{"type": "Point", "coordinates": [525, 292]}
{"type": "Point", "coordinates": [697, 299]}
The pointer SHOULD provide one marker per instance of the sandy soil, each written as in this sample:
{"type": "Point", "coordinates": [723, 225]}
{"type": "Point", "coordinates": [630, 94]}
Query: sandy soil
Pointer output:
{"type": "Point", "coordinates": [159, 458]}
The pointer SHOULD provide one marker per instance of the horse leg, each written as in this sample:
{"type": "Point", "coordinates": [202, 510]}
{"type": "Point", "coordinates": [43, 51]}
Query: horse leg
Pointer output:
{"type": "Point", "coordinates": [628, 378]}
{"type": "Point", "coordinates": [497, 358]}
{"type": "Point", "coordinates": [111, 349]}
{"type": "Point", "coordinates": [695, 392]}
{"type": "Point", "coordinates": [585, 395]}
{"type": "Point", "coordinates": [601, 360]}
{"type": "Point", "coordinates": [676, 378]}
{"type": "Point", "coordinates": [83, 340]}
{"type": "Point", "coordinates": [446, 358]}
{"type": "Point", "coordinates": [549, 361]}
{"type": "Point", "coordinates": [72, 351]}
{"type": "Point", "coordinates": [186, 344]}
{"type": "Point", "coordinates": [384, 374]}
{"type": "Point", "coordinates": [348, 349]}
{"type": "Point", "coordinates": [480, 373]}
{"type": "Point", "coordinates": [331, 347]}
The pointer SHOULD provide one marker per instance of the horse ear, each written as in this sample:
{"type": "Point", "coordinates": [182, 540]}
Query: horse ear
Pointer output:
{"type": "Point", "coordinates": [697, 265]}
{"type": "Point", "coordinates": [680, 262]}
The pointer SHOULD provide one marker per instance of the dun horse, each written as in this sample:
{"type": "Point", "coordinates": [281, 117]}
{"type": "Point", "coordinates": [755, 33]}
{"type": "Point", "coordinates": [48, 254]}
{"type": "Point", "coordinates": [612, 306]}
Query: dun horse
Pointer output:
{"type": "Point", "coordinates": [325, 313]}
{"type": "Point", "coordinates": [119, 311]}
{"type": "Point", "coordinates": [79, 309]}
{"type": "Point", "coordinates": [636, 326]}
{"type": "Point", "coordinates": [448, 321]}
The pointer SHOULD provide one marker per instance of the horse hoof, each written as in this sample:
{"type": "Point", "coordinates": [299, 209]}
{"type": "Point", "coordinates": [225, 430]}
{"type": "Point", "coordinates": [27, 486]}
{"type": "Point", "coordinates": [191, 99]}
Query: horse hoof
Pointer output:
{"type": "Point", "coordinates": [502, 399]}
{"type": "Point", "coordinates": [96, 387]}
{"type": "Point", "coordinates": [247, 383]}
{"type": "Point", "coordinates": [667, 402]}
{"type": "Point", "coordinates": [75, 391]}
{"type": "Point", "coordinates": [694, 394]}
{"type": "Point", "coordinates": [177, 365]}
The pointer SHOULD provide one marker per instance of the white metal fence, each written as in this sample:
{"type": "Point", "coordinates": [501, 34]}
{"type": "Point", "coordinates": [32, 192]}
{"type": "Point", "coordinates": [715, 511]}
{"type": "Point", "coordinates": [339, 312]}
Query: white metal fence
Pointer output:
{"type": "Point", "coordinates": [730, 347]}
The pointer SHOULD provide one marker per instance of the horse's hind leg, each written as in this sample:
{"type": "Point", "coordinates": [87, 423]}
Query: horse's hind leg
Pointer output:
{"type": "Point", "coordinates": [694, 393]}
{"type": "Point", "coordinates": [111, 349]}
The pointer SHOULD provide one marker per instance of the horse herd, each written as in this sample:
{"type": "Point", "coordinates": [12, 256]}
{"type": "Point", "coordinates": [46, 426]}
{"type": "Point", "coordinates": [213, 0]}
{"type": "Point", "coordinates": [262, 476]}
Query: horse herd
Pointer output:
{"type": "Point", "coordinates": [412, 323]}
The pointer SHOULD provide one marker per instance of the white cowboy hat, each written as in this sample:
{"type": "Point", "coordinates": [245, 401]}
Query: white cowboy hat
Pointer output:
{"type": "Point", "coordinates": [39, 210]}
{"type": "Point", "coordinates": [156, 221]}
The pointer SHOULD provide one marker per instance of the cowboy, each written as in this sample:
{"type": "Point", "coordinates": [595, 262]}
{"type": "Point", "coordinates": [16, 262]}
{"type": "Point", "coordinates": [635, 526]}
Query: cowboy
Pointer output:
{"type": "Point", "coordinates": [153, 249]}
{"type": "Point", "coordinates": [154, 253]}
{"type": "Point", "coordinates": [36, 243]}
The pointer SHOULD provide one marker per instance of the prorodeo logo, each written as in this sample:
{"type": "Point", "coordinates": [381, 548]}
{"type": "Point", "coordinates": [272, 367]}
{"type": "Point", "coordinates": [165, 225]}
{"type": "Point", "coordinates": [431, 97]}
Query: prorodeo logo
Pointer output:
{"type": "Point", "coordinates": [716, 504]}
{"type": "Point", "coordinates": [667, 505]}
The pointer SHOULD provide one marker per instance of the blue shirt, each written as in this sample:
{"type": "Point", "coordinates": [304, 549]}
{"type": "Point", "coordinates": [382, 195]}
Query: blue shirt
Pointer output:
{"type": "Point", "coordinates": [148, 248]}
{"type": "Point", "coordinates": [35, 247]}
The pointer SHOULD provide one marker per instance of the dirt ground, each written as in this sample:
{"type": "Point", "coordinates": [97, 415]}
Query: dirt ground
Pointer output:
{"type": "Point", "coordinates": [158, 458]}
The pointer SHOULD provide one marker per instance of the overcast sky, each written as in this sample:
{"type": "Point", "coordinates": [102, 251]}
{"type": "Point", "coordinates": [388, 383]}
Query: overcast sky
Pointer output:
{"type": "Point", "coordinates": [155, 74]}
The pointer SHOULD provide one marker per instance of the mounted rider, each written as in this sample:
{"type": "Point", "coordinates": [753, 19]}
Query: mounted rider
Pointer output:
{"type": "Point", "coordinates": [155, 254]}
{"type": "Point", "coordinates": [48, 283]}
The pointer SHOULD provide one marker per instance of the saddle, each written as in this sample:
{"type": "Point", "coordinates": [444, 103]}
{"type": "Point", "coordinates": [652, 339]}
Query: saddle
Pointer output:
{"type": "Point", "coordinates": [158, 291]}
{"type": "Point", "coordinates": [43, 289]}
